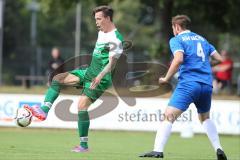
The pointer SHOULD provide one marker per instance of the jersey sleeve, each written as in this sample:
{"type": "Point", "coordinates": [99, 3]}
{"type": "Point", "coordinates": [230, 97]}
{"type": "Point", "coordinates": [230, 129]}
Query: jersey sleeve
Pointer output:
{"type": "Point", "coordinates": [175, 45]}
{"type": "Point", "coordinates": [212, 49]}
{"type": "Point", "coordinates": [116, 48]}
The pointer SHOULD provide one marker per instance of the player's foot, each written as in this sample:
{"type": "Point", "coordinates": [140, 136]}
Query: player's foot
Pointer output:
{"type": "Point", "coordinates": [37, 112]}
{"type": "Point", "coordinates": [79, 149]}
{"type": "Point", "coordinates": [221, 155]}
{"type": "Point", "coordinates": [152, 154]}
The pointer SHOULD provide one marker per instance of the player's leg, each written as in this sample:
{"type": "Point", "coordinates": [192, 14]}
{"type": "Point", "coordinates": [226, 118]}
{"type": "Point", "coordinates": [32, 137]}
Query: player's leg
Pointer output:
{"type": "Point", "coordinates": [178, 103]}
{"type": "Point", "coordinates": [87, 98]}
{"type": "Point", "coordinates": [52, 93]}
{"type": "Point", "coordinates": [83, 123]}
{"type": "Point", "coordinates": [203, 105]}
{"type": "Point", "coordinates": [83, 120]}
{"type": "Point", "coordinates": [210, 130]}
{"type": "Point", "coordinates": [163, 132]}
{"type": "Point", "coordinates": [212, 134]}
{"type": "Point", "coordinates": [59, 80]}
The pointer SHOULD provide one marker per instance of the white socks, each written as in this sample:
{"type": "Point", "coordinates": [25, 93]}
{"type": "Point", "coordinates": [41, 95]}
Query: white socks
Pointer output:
{"type": "Point", "coordinates": [165, 128]}
{"type": "Point", "coordinates": [162, 136]}
{"type": "Point", "coordinates": [212, 134]}
{"type": "Point", "coordinates": [48, 104]}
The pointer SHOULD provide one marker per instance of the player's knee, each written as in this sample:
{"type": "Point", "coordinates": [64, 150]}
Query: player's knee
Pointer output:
{"type": "Point", "coordinates": [169, 117]}
{"type": "Point", "coordinates": [59, 77]}
{"type": "Point", "coordinates": [56, 78]}
{"type": "Point", "coordinates": [84, 103]}
{"type": "Point", "coordinates": [202, 118]}
{"type": "Point", "coordinates": [82, 108]}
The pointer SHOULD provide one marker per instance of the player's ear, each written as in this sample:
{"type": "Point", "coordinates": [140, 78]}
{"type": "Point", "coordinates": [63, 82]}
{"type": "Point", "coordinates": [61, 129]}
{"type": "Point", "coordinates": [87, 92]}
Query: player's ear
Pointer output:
{"type": "Point", "coordinates": [177, 27]}
{"type": "Point", "coordinates": [108, 18]}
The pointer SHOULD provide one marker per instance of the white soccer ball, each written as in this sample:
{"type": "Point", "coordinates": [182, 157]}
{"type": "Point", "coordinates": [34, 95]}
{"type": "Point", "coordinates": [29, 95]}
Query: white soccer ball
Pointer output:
{"type": "Point", "coordinates": [23, 117]}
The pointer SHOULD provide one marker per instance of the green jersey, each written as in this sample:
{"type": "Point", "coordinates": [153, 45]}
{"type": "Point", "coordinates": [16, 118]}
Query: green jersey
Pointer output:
{"type": "Point", "coordinates": [107, 45]}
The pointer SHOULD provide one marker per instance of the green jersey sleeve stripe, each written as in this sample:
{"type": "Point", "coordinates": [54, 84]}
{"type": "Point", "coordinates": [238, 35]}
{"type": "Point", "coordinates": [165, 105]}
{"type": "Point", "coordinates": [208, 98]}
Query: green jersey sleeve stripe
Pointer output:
{"type": "Point", "coordinates": [119, 36]}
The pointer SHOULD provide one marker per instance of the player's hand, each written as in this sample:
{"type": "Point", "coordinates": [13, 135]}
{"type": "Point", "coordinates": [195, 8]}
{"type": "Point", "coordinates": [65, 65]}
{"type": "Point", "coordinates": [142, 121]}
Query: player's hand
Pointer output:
{"type": "Point", "coordinates": [162, 80]}
{"type": "Point", "coordinates": [215, 68]}
{"type": "Point", "coordinates": [95, 82]}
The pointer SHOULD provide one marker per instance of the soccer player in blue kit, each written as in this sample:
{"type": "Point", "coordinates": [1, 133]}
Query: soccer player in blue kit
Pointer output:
{"type": "Point", "coordinates": [191, 59]}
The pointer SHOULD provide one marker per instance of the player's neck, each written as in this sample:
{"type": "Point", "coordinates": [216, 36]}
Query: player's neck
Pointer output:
{"type": "Point", "coordinates": [183, 31]}
{"type": "Point", "coordinates": [110, 28]}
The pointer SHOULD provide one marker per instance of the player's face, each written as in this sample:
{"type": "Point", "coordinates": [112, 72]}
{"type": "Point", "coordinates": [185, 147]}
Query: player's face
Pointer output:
{"type": "Point", "coordinates": [101, 21]}
{"type": "Point", "coordinates": [174, 28]}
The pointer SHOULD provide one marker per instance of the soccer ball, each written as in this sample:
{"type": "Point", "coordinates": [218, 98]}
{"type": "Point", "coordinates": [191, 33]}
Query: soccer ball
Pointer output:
{"type": "Point", "coordinates": [23, 117]}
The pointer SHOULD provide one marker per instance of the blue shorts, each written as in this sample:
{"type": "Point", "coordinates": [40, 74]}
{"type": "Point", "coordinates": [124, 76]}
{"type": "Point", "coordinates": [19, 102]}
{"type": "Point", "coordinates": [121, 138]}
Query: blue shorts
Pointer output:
{"type": "Point", "coordinates": [192, 92]}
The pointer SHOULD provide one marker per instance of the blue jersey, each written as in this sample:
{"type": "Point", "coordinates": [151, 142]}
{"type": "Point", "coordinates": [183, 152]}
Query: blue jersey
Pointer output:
{"type": "Point", "coordinates": [196, 51]}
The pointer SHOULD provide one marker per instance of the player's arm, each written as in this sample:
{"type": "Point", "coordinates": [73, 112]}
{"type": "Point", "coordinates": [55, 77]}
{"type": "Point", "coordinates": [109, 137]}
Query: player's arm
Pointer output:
{"type": "Point", "coordinates": [217, 56]}
{"type": "Point", "coordinates": [108, 68]}
{"type": "Point", "coordinates": [222, 67]}
{"type": "Point", "coordinates": [177, 61]}
{"type": "Point", "coordinates": [115, 51]}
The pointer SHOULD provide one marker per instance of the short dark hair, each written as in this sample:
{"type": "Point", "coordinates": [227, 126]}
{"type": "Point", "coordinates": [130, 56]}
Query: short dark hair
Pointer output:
{"type": "Point", "coordinates": [182, 20]}
{"type": "Point", "coordinates": [107, 11]}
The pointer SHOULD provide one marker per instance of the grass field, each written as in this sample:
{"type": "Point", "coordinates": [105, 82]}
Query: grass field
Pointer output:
{"type": "Point", "coordinates": [55, 144]}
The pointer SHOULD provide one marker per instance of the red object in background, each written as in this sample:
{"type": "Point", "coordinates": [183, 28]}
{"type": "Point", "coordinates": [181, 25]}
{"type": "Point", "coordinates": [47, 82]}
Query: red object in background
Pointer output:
{"type": "Point", "coordinates": [225, 75]}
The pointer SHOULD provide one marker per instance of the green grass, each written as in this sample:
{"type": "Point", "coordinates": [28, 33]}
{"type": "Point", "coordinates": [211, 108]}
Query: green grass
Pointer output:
{"type": "Point", "coordinates": [55, 144]}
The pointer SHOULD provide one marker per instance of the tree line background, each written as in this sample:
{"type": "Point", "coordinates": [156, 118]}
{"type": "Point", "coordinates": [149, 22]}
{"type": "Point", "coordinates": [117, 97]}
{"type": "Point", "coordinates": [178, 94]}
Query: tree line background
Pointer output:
{"type": "Point", "coordinates": [147, 23]}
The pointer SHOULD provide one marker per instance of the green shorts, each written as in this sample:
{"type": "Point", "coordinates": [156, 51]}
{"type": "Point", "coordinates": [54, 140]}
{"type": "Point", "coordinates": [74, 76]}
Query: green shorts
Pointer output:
{"type": "Point", "coordinates": [93, 94]}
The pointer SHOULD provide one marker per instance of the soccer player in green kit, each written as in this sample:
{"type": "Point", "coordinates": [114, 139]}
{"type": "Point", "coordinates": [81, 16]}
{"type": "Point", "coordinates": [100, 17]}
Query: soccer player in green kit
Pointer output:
{"type": "Point", "coordinates": [94, 80]}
